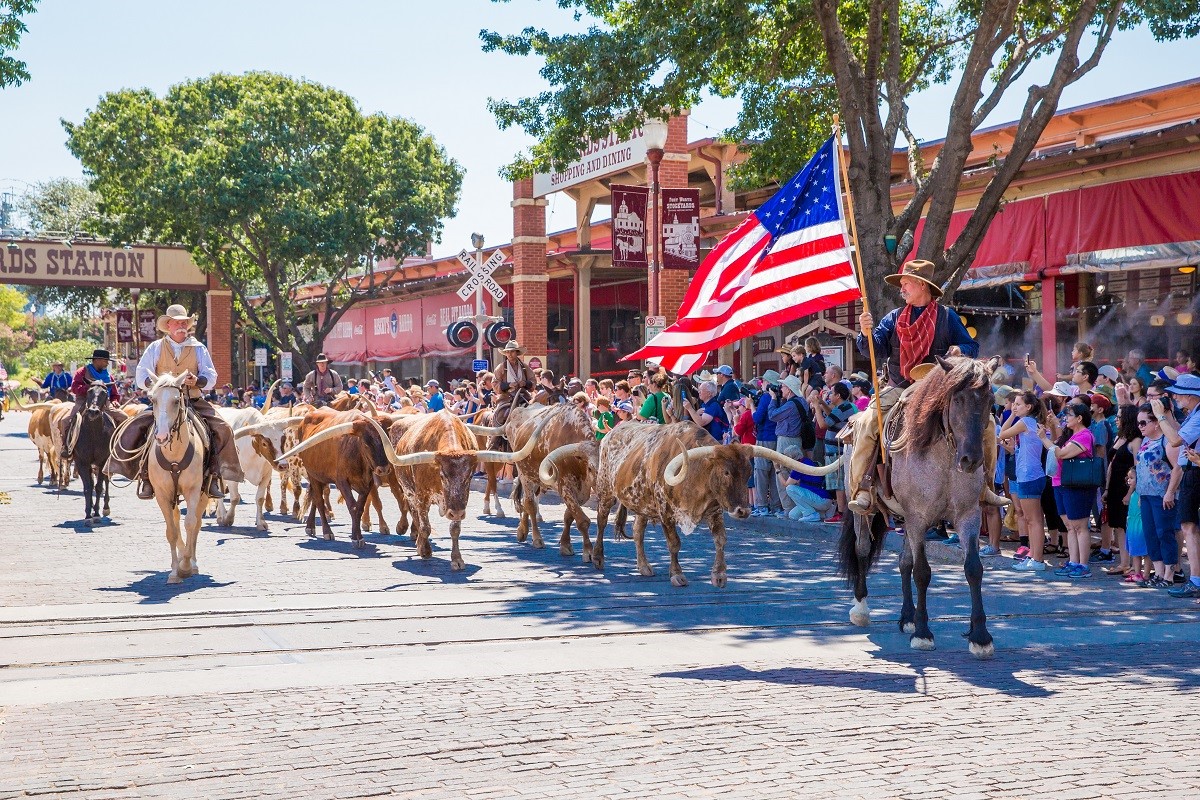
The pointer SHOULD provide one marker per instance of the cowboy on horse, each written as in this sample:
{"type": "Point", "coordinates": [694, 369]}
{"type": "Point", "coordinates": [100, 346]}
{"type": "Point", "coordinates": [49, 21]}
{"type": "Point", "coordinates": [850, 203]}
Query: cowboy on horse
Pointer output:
{"type": "Point", "coordinates": [176, 353]}
{"type": "Point", "coordinates": [515, 376]}
{"type": "Point", "coordinates": [908, 338]}
{"type": "Point", "coordinates": [85, 376]}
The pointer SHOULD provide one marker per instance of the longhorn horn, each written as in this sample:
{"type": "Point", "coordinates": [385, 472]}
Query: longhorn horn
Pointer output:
{"type": "Point", "coordinates": [677, 469]}
{"type": "Point", "coordinates": [315, 439]}
{"type": "Point", "coordinates": [394, 458]}
{"type": "Point", "coordinates": [483, 430]}
{"type": "Point", "coordinates": [791, 463]}
{"type": "Point", "coordinates": [270, 394]}
{"type": "Point", "coordinates": [493, 456]}
{"type": "Point", "coordinates": [291, 422]}
{"type": "Point", "coordinates": [547, 472]}
{"type": "Point", "coordinates": [42, 404]}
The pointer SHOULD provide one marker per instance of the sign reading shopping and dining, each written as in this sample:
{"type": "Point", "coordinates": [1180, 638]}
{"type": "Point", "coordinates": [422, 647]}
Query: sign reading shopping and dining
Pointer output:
{"type": "Point", "coordinates": [680, 228]}
{"type": "Point", "coordinates": [57, 263]}
{"type": "Point", "coordinates": [600, 158]}
{"type": "Point", "coordinates": [629, 226]}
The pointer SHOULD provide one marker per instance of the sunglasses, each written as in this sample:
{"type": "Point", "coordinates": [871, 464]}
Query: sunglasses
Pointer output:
{"type": "Point", "coordinates": [1144, 423]}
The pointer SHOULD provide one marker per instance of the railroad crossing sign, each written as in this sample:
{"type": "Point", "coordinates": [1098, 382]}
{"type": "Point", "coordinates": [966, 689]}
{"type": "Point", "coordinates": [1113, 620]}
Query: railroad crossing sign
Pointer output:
{"type": "Point", "coordinates": [481, 275]}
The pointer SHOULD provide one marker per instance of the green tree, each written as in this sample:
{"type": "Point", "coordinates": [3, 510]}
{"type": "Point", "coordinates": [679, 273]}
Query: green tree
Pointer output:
{"type": "Point", "coordinates": [60, 327]}
{"type": "Point", "coordinates": [12, 70]}
{"type": "Point", "coordinates": [274, 184]}
{"type": "Point", "coordinates": [793, 64]}
{"type": "Point", "coordinates": [14, 339]}
{"type": "Point", "coordinates": [12, 307]}
{"type": "Point", "coordinates": [13, 345]}
{"type": "Point", "coordinates": [69, 351]}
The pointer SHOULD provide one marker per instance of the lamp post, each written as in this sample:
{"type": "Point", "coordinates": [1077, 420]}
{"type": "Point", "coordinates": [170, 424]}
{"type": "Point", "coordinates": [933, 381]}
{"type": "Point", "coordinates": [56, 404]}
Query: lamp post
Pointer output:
{"type": "Point", "coordinates": [655, 132]}
{"type": "Point", "coordinates": [135, 292]}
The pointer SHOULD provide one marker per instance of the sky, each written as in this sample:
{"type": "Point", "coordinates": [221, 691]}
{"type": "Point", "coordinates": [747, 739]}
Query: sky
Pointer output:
{"type": "Point", "coordinates": [419, 60]}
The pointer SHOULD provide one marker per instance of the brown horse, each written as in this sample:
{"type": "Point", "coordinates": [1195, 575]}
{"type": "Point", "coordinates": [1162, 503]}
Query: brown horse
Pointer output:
{"type": "Point", "coordinates": [937, 474]}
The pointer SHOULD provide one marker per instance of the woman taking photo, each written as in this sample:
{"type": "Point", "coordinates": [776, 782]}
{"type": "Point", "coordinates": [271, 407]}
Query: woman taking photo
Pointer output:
{"type": "Point", "coordinates": [1115, 506]}
{"type": "Point", "coordinates": [1074, 503]}
{"type": "Point", "coordinates": [1157, 481]}
{"type": "Point", "coordinates": [1020, 432]}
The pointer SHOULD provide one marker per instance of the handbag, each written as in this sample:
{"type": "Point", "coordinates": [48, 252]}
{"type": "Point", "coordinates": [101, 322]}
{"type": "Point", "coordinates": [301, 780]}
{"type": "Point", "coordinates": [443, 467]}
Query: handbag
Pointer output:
{"type": "Point", "coordinates": [1010, 467]}
{"type": "Point", "coordinates": [1082, 472]}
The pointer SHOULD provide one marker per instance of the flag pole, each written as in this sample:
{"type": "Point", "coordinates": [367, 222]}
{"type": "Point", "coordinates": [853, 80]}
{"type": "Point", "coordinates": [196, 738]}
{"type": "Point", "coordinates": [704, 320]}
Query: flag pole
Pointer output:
{"type": "Point", "coordinates": [837, 134]}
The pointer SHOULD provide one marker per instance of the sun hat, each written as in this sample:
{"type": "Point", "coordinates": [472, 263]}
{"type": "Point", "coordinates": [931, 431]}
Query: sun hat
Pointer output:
{"type": "Point", "coordinates": [771, 378]}
{"type": "Point", "coordinates": [174, 311]}
{"type": "Point", "coordinates": [56, 364]}
{"type": "Point", "coordinates": [512, 347]}
{"type": "Point", "coordinates": [322, 358]}
{"type": "Point", "coordinates": [1187, 383]}
{"type": "Point", "coordinates": [1061, 389]}
{"type": "Point", "coordinates": [1168, 373]}
{"type": "Point", "coordinates": [1002, 391]}
{"type": "Point", "coordinates": [1110, 372]}
{"type": "Point", "coordinates": [725, 369]}
{"type": "Point", "coordinates": [859, 376]}
{"type": "Point", "coordinates": [920, 269]}
{"type": "Point", "coordinates": [793, 383]}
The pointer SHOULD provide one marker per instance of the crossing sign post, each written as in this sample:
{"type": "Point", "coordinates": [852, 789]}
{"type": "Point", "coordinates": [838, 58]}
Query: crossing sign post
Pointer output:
{"type": "Point", "coordinates": [480, 281]}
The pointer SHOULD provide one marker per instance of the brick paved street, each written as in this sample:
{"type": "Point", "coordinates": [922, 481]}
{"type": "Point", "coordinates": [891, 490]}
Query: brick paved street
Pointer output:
{"type": "Point", "coordinates": [295, 667]}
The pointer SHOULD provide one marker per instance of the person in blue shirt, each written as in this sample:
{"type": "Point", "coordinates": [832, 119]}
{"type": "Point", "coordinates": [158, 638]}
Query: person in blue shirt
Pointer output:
{"type": "Point", "coordinates": [710, 415]}
{"type": "Point", "coordinates": [58, 382]}
{"type": "Point", "coordinates": [808, 493]}
{"type": "Point", "coordinates": [727, 387]}
{"type": "Point", "coordinates": [435, 400]}
{"type": "Point", "coordinates": [765, 485]}
{"type": "Point", "coordinates": [1185, 436]}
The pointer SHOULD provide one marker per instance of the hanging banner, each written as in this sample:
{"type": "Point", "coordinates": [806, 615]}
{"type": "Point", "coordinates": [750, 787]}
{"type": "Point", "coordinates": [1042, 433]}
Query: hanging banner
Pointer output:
{"type": "Point", "coordinates": [629, 226]}
{"type": "Point", "coordinates": [681, 228]}
{"type": "Point", "coordinates": [124, 325]}
{"type": "Point", "coordinates": [147, 325]}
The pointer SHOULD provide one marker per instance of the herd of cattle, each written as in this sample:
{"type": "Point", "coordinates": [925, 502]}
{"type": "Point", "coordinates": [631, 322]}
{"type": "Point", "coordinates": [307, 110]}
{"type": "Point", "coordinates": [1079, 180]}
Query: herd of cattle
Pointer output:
{"type": "Point", "coordinates": [675, 475]}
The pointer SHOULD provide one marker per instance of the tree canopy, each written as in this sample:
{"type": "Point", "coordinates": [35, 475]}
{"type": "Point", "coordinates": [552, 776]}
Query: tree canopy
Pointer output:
{"type": "Point", "coordinates": [273, 183]}
{"type": "Point", "coordinates": [14, 339]}
{"type": "Point", "coordinates": [793, 65]}
{"type": "Point", "coordinates": [12, 70]}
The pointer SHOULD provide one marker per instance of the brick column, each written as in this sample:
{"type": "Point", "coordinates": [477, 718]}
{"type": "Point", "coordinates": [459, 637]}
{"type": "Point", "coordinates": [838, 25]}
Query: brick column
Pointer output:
{"type": "Point", "coordinates": [220, 329]}
{"type": "Point", "coordinates": [529, 276]}
{"type": "Point", "coordinates": [673, 174]}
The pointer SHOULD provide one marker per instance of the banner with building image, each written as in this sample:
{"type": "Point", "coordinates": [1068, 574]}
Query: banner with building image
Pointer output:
{"type": "Point", "coordinates": [629, 226]}
{"type": "Point", "coordinates": [681, 228]}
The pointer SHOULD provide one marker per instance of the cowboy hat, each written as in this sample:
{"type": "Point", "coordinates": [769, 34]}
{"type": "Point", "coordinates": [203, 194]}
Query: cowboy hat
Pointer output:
{"type": "Point", "coordinates": [793, 383]}
{"type": "Point", "coordinates": [1002, 391]}
{"type": "Point", "coordinates": [771, 378]}
{"type": "Point", "coordinates": [512, 347]}
{"type": "Point", "coordinates": [785, 350]}
{"type": "Point", "coordinates": [1168, 373]}
{"type": "Point", "coordinates": [99, 353]}
{"type": "Point", "coordinates": [322, 358]}
{"type": "Point", "coordinates": [704, 376]}
{"type": "Point", "coordinates": [920, 269]}
{"type": "Point", "coordinates": [175, 311]}
{"type": "Point", "coordinates": [1060, 389]}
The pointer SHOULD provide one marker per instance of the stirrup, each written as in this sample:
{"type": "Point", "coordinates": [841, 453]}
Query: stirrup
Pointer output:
{"type": "Point", "coordinates": [861, 504]}
{"type": "Point", "coordinates": [144, 490]}
{"type": "Point", "coordinates": [215, 487]}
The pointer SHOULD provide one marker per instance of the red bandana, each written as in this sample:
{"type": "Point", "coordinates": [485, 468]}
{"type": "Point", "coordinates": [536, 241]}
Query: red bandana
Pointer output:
{"type": "Point", "coordinates": [915, 337]}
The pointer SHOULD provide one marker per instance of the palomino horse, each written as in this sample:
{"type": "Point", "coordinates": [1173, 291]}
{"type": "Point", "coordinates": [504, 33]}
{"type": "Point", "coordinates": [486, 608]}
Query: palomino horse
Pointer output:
{"type": "Point", "coordinates": [176, 468]}
{"type": "Point", "coordinates": [96, 427]}
{"type": "Point", "coordinates": [936, 475]}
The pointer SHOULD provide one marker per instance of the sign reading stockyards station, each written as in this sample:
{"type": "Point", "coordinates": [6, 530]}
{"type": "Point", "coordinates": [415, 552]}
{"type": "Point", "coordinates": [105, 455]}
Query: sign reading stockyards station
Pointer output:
{"type": "Point", "coordinates": [54, 263]}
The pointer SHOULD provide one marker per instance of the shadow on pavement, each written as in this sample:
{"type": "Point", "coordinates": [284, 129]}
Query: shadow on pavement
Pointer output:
{"type": "Point", "coordinates": [153, 587]}
{"type": "Point", "coordinates": [343, 546]}
{"type": "Point", "coordinates": [885, 682]}
{"type": "Point", "coordinates": [438, 568]}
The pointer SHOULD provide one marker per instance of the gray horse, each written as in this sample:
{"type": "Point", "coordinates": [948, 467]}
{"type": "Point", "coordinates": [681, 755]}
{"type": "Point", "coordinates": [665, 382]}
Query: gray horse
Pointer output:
{"type": "Point", "coordinates": [936, 474]}
{"type": "Point", "coordinates": [96, 427]}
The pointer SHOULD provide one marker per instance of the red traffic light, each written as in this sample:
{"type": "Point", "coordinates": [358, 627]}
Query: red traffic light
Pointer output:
{"type": "Point", "coordinates": [463, 334]}
{"type": "Point", "coordinates": [498, 334]}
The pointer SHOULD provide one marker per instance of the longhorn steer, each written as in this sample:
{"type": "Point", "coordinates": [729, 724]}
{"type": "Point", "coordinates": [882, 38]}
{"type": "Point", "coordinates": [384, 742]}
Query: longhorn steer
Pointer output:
{"type": "Point", "coordinates": [342, 448]}
{"type": "Point", "coordinates": [560, 425]}
{"type": "Point", "coordinates": [435, 457]}
{"type": "Point", "coordinates": [644, 468]}
{"type": "Point", "coordinates": [41, 434]}
{"type": "Point", "coordinates": [259, 442]}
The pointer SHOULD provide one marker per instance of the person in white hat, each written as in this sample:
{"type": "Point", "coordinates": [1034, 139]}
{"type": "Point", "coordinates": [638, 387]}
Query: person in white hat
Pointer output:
{"type": "Point", "coordinates": [175, 353]}
{"type": "Point", "coordinates": [322, 384]}
{"type": "Point", "coordinates": [906, 338]}
{"type": "Point", "coordinates": [514, 376]}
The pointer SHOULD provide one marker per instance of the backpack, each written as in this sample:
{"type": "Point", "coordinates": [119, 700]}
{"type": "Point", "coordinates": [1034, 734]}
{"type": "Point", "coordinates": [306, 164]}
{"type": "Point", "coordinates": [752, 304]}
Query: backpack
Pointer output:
{"type": "Point", "coordinates": [808, 430]}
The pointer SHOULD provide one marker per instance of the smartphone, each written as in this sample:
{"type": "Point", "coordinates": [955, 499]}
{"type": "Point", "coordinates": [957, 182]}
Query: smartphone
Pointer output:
{"type": "Point", "coordinates": [1027, 358]}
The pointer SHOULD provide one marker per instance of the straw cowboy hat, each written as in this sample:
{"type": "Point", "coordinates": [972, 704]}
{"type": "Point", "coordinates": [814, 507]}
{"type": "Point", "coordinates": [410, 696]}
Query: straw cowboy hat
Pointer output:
{"type": "Point", "coordinates": [512, 347]}
{"type": "Point", "coordinates": [793, 383]}
{"type": "Point", "coordinates": [920, 371]}
{"type": "Point", "coordinates": [174, 312]}
{"type": "Point", "coordinates": [920, 269]}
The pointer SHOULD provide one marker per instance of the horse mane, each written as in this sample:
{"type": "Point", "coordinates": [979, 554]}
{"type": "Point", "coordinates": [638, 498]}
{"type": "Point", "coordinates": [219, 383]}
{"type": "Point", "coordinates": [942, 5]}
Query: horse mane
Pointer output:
{"type": "Point", "coordinates": [163, 381]}
{"type": "Point", "coordinates": [923, 413]}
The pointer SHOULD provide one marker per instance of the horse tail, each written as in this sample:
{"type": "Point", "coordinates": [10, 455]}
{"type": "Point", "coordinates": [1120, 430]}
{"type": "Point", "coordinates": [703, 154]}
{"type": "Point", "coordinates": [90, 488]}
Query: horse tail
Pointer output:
{"type": "Point", "coordinates": [850, 565]}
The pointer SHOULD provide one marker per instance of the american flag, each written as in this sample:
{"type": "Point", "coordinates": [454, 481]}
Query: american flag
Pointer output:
{"type": "Point", "coordinates": [789, 258]}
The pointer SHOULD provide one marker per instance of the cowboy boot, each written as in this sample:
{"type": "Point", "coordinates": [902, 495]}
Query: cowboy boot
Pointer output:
{"type": "Point", "coordinates": [145, 491]}
{"type": "Point", "coordinates": [863, 500]}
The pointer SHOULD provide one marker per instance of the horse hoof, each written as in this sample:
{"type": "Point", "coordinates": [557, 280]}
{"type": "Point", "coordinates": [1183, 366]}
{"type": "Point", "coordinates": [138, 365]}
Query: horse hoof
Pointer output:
{"type": "Point", "coordinates": [359, 544]}
{"type": "Point", "coordinates": [537, 544]}
{"type": "Point", "coordinates": [384, 529]}
{"type": "Point", "coordinates": [457, 564]}
{"type": "Point", "coordinates": [263, 528]}
{"type": "Point", "coordinates": [329, 536]}
{"type": "Point", "coordinates": [678, 581]}
{"type": "Point", "coordinates": [311, 531]}
{"type": "Point", "coordinates": [566, 552]}
{"type": "Point", "coordinates": [587, 556]}
{"type": "Point", "coordinates": [173, 578]}
{"type": "Point", "coordinates": [860, 614]}
{"type": "Point", "coordinates": [983, 651]}
{"type": "Point", "coordinates": [908, 627]}
{"type": "Point", "coordinates": [719, 580]}
{"type": "Point", "coordinates": [917, 643]}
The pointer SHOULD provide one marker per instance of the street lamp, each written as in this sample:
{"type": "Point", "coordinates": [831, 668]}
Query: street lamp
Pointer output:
{"type": "Point", "coordinates": [135, 292]}
{"type": "Point", "coordinates": [655, 132]}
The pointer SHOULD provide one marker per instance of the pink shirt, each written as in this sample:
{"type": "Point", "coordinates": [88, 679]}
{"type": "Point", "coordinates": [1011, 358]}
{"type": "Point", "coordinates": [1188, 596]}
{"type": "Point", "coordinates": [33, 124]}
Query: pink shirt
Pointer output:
{"type": "Point", "coordinates": [1083, 439]}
